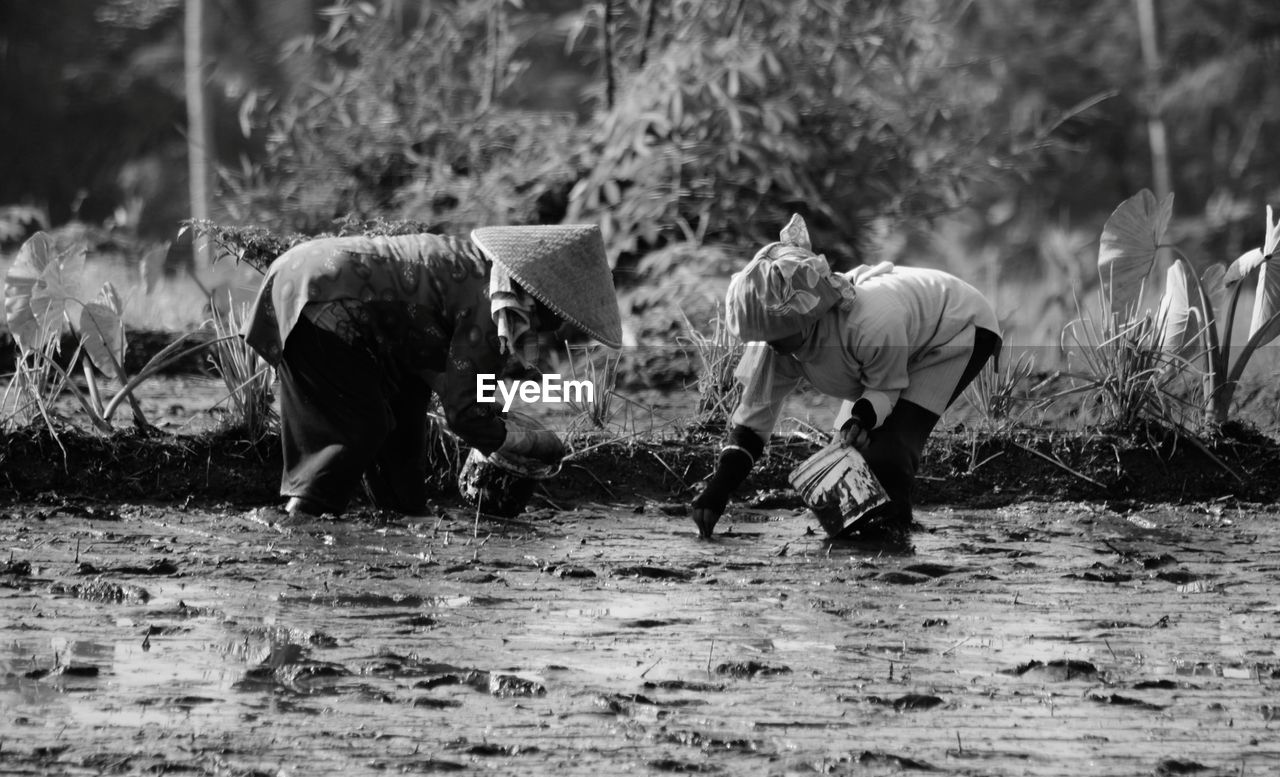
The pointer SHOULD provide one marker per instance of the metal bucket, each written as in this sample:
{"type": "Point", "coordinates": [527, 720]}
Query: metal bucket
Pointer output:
{"type": "Point", "coordinates": [837, 486]}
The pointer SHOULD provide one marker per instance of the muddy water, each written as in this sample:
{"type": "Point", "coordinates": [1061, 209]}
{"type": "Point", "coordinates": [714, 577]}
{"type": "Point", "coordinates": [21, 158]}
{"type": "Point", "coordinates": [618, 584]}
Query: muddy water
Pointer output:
{"type": "Point", "coordinates": [1036, 640]}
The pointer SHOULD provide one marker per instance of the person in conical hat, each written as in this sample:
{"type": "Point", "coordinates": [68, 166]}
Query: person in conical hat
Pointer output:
{"type": "Point", "coordinates": [362, 330]}
{"type": "Point", "coordinates": [896, 344]}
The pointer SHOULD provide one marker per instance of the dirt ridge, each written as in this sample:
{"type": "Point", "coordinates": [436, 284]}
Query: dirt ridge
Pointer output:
{"type": "Point", "coordinates": [960, 467]}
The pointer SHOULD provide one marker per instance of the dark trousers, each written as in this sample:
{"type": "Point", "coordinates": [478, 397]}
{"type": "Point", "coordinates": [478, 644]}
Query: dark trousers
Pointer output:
{"type": "Point", "coordinates": [341, 420]}
{"type": "Point", "coordinates": [894, 451]}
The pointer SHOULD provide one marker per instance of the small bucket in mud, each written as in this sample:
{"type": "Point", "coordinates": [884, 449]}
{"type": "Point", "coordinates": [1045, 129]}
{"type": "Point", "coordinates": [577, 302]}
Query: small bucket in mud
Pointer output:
{"type": "Point", "coordinates": [500, 484]}
{"type": "Point", "coordinates": [837, 486]}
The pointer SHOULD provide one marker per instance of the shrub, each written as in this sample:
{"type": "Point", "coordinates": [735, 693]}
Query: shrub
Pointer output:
{"type": "Point", "coordinates": [246, 375]}
{"type": "Point", "coordinates": [736, 120]}
{"type": "Point", "coordinates": [1002, 396]}
{"type": "Point", "coordinates": [717, 383]}
{"type": "Point", "coordinates": [401, 117]}
{"type": "Point", "coordinates": [40, 300]}
{"type": "Point", "coordinates": [1188, 324]}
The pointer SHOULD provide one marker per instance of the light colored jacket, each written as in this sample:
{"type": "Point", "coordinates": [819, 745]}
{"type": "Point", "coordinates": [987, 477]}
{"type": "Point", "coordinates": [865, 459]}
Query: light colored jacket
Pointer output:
{"type": "Point", "coordinates": [908, 335]}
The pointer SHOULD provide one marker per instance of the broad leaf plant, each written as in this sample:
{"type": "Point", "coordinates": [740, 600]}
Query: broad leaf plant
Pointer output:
{"type": "Point", "coordinates": [1189, 318]}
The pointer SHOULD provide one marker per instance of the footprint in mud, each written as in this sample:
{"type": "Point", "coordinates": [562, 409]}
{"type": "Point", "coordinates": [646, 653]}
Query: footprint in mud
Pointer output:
{"type": "Point", "coordinates": [1177, 766]}
{"type": "Point", "coordinates": [1056, 671]}
{"type": "Point", "coordinates": [1100, 573]}
{"type": "Point", "coordinates": [1107, 626]}
{"type": "Point", "coordinates": [570, 572]}
{"type": "Point", "coordinates": [16, 568]}
{"type": "Point", "coordinates": [305, 678]}
{"type": "Point", "coordinates": [750, 669]}
{"type": "Point", "coordinates": [868, 758]}
{"type": "Point", "coordinates": [184, 610]}
{"type": "Point", "coordinates": [432, 703]}
{"type": "Point", "coordinates": [492, 750]}
{"type": "Point", "coordinates": [506, 686]}
{"type": "Point", "coordinates": [65, 670]}
{"type": "Point", "coordinates": [684, 685]}
{"type": "Point", "coordinates": [281, 637]}
{"type": "Point", "coordinates": [431, 766]}
{"type": "Point", "coordinates": [624, 703]}
{"type": "Point", "coordinates": [911, 702]}
{"type": "Point", "coordinates": [654, 573]}
{"type": "Point", "coordinates": [102, 591]}
{"type": "Point", "coordinates": [418, 621]}
{"type": "Point", "coordinates": [654, 623]}
{"type": "Point", "coordinates": [159, 567]}
{"type": "Point", "coordinates": [1178, 576]}
{"type": "Point", "coordinates": [1123, 701]}
{"type": "Point", "coordinates": [702, 741]}
{"type": "Point", "coordinates": [1155, 562]}
{"type": "Point", "coordinates": [675, 766]}
{"type": "Point", "coordinates": [932, 569]}
{"type": "Point", "coordinates": [1163, 685]}
{"type": "Point", "coordinates": [500, 685]}
{"type": "Point", "coordinates": [901, 577]}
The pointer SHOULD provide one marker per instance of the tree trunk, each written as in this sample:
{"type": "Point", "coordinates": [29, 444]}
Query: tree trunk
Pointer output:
{"type": "Point", "coordinates": [198, 126]}
{"type": "Point", "coordinates": [493, 83]}
{"type": "Point", "coordinates": [606, 38]}
{"type": "Point", "coordinates": [650, 21]}
{"type": "Point", "coordinates": [1156, 134]}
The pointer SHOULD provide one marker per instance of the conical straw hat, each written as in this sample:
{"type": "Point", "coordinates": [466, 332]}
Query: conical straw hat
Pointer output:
{"type": "Point", "coordinates": [563, 266]}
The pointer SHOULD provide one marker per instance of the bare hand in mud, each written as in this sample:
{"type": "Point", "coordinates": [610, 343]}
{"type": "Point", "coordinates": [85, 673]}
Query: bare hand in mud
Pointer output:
{"type": "Point", "coordinates": [706, 519]}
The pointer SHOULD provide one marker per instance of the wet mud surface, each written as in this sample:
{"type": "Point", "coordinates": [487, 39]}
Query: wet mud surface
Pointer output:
{"type": "Point", "coordinates": [1034, 639]}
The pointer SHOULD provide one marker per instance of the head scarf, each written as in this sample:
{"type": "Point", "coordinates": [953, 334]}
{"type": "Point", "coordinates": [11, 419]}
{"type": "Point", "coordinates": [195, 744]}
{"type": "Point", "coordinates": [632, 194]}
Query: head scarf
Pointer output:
{"type": "Point", "coordinates": [784, 289]}
{"type": "Point", "coordinates": [512, 310]}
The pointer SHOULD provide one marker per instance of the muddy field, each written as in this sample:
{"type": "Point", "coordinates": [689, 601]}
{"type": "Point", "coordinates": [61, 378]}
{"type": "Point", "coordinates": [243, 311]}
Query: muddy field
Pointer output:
{"type": "Point", "coordinates": [1035, 639]}
{"type": "Point", "coordinates": [156, 617]}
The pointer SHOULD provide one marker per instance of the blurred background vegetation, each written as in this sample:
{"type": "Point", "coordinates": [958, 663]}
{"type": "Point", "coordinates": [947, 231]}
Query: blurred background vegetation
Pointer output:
{"type": "Point", "coordinates": [989, 137]}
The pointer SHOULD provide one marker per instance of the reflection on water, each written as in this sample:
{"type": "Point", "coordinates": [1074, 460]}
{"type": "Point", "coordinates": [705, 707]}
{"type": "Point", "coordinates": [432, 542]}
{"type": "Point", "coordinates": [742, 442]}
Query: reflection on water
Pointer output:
{"type": "Point", "coordinates": [1006, 639]}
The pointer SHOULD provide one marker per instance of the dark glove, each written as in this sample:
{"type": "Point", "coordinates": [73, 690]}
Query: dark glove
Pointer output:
{"type": "Point", "coordinates": [856, 432]}
{"type": "Point", "coordinates": [735, 462]}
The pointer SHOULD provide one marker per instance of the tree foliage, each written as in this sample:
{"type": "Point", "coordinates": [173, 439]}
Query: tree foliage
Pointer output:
{"type": "Point", "coordinates": [726, 115]}
{"type": "Point", "coordinates": [1213, 91]}
{"type": "Point", "coordinates": [400, 118]}
{"type": "Point", "coordinates": [746, 112]}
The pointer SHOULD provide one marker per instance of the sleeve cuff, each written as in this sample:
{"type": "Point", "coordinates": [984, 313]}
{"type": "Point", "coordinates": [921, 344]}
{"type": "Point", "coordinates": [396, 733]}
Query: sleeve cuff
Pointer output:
{"type": "Point", "coordinates": [881, 405]}
{"type": "Point", "coordinates": [865, 412]}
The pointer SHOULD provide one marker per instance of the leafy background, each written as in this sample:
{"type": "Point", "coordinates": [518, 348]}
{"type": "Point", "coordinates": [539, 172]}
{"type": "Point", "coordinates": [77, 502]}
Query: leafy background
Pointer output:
{"type": "Point", "coordinates": [991, 137]}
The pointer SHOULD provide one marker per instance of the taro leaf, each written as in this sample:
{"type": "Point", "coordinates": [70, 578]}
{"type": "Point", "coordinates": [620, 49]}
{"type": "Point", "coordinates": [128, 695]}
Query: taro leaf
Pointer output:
{"type": "Point", "coordinates": [1265, 323]}
{"type": "Point", "coordinates": [111, 298]}
{"type": "Point", "coordinates": [1213, 287]}
{"type": "Point", "coordinates": [102, 335]}
{"type": "Point", "coordinates": [1243, 265]}
{"type": "Point", "coordinates": [36, 296]}
{"type": "Point", "coordinates": [1182, 317]}
{"type": "Point", "coordinates": [1128, 248]}
{"type": "Point", "coordinates": [1267, 300]}
{"type": "Point", "coordinates": [152, 266]}
{"type": "Point", "coordinates": [1252, 259]}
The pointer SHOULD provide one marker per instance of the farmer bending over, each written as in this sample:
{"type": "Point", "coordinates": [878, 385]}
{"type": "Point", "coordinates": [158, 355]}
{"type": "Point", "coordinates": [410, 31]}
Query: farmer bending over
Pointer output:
{"type": "Point", "coordinates": [896, 344]}
{"type": "Point", "coordinates": [363, 329]}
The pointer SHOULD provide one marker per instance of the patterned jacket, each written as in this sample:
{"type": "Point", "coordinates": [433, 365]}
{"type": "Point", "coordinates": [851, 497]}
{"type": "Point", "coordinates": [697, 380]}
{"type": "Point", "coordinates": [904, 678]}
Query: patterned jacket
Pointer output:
{"type": "Point", "coordinates": [417, 304]}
